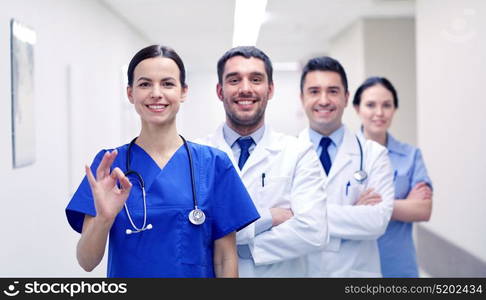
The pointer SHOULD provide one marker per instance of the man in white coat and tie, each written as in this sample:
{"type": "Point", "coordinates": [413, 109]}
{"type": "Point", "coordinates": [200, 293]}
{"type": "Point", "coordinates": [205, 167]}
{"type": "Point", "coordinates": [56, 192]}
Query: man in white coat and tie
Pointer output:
{"type": "Point", "coordinates": [359, 176]}
{"type": "Point", "coordinates": [283, 177]}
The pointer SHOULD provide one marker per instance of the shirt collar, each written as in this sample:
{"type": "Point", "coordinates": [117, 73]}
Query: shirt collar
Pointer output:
{"type": "Point", "coordinates": [230, 136]}
{"type": "Point", "coordinates": [336, 137]}
{"type": "Point", "coordinates": [393, 145]}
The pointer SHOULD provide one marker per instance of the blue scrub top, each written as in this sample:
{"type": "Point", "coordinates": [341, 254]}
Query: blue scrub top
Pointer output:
{"type": "Point", "coordinates": [397, 249]}
{"type": "Point", "coordinates": [174, 247]}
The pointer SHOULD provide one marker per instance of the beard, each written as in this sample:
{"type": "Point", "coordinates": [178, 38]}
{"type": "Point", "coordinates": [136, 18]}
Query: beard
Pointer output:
{"type": "Point", "coordinates": [246, 118]}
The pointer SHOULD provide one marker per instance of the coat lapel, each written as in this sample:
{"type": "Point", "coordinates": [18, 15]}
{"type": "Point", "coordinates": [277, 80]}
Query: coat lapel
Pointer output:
{"type": "Point", "coordinates": [263, 149]}
{"type": "Point", "coordinates": [267, 145]}
{"type": "Point", "coordinates": [345, 154]}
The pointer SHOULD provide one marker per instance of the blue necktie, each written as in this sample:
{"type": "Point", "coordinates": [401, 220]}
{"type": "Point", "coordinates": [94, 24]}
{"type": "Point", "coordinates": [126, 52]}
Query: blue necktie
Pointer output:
{"type": "Point", "coordinates": [325, 159]}
{"type": "Point", "coordinates": [245, 144]}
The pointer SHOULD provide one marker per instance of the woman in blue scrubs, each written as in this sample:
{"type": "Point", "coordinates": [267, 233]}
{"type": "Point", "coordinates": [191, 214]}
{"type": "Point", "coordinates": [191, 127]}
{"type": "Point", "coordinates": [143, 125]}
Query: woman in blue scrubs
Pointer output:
{"type": "Point", "coordinates": [375, 102]}
{"type": "Point", "coordinates": [150, 231]}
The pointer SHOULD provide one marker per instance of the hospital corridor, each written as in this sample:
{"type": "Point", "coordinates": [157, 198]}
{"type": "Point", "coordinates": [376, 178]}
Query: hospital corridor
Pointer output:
{"type": "Point", "coordinates": [63, 77]}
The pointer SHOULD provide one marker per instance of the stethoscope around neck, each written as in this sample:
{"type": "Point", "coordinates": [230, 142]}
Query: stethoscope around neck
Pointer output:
{"type": "Point", "coordinates": [196, 215]}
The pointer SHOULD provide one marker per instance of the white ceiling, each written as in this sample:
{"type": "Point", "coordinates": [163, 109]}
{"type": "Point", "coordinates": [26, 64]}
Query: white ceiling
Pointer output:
{"type": "Point", "coordinates": [201, 31]}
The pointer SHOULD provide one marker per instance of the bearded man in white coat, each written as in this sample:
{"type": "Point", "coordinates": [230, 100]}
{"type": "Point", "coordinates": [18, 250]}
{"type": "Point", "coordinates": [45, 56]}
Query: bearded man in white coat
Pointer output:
{"type": "Point", "coordinates": [359, 176]}
{"type": "Point", "coordinates": [283, 177]}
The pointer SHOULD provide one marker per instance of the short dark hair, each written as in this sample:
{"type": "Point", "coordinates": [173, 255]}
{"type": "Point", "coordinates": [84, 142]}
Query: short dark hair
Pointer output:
{"type": "Point", "coordinates": [323, 63]}
{"type": "Point", "coordinates": [372, 81]}
{"type": "Point", "coordinates": [247, 52]}
{"type": "Point", "coordinates": [156, 51]}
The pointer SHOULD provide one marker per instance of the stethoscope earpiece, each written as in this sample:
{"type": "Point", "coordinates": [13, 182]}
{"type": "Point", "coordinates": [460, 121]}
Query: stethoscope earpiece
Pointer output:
{"type": "Point", "coordinates": [148, 227]}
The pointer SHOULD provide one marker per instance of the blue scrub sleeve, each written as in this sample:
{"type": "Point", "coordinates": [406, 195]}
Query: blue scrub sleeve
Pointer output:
{"type": "Point", "coordinates": [234, 208]}
{"type": "Point", "coordinates": [82, 202]}
{"type": "Point", "coordinates": [419, 170]}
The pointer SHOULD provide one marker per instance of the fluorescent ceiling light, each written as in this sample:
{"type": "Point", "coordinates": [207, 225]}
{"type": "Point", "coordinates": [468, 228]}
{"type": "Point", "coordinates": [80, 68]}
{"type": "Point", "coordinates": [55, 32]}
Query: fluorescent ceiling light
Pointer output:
{"type": "Point", "coordinates": [249, 16]}
{"type": "Point", "coordinates": [24, 33]}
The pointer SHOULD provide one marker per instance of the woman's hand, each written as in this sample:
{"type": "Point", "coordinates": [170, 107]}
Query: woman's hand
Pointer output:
{"type": "Point", "coordinates": [108, 197]}
{"type": "Point", "coordinates": [420, 191]}
{"type": "Point", "coordinates": [417, 207]}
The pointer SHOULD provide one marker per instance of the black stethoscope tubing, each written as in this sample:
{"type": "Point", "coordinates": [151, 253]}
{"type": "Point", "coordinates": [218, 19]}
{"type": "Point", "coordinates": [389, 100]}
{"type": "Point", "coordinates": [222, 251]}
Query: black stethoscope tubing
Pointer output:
{"type": "Point", "coordinates": [361, 174]}
{"type": "Point", "coordinates": [360, 155]}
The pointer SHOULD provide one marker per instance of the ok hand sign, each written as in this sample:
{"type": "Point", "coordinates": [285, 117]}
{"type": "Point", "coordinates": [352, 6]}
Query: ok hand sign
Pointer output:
{"type": "Point", "coordinates": [108, 197]}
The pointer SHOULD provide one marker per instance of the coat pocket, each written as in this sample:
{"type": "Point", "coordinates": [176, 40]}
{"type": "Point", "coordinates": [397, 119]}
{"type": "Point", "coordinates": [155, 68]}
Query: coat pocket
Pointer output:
{"type": "Point", "coordinates": [352, 192]}
{"type": "Point", "coordinates": [274, 192]}
{"type": "Point", "coordinates": [402, 186]}
{"type": "Point", "coordinates": [195, 245]}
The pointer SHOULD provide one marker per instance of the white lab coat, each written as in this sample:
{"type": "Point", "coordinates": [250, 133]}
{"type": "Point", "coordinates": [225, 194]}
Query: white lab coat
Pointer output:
{"type": "Point", "coordinates": [354, 230]}
{"type": "Point", "coordinates": [294, 179]}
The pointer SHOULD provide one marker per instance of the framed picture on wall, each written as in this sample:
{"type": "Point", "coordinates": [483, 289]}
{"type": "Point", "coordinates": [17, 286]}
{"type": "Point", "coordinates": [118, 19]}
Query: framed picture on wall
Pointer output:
{"type": "Point", "coordinates": [22, 40]}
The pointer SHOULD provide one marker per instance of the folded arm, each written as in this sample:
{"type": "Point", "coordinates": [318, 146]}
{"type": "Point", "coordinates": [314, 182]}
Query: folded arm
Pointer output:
{"type": "Point", "coordinates": [362, 222]}
{"type": "Point", "coordinates": [306, 229]}
{"type": "Point", "coordinates": [416, 207]}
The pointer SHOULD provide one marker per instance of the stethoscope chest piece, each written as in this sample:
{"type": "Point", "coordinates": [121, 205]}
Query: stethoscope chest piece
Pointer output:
{"type": "Point", "coordinates": [197, 216]}
{"type": "Point", "coordinates": [360, 176]}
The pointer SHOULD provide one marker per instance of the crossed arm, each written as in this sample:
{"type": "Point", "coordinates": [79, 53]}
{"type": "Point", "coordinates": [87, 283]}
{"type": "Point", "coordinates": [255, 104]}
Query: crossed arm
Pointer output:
{"type": "Point", "coordinates": [416, 207]}
{"type": "Point", "coordinates": [302, 228]}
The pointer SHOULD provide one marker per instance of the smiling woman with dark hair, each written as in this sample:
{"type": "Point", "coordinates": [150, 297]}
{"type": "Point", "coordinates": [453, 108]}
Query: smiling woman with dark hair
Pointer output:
{"type": "Point", "coordinates": [376, 102]}
{"type": "Point", "coordinates": [169, 207]}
